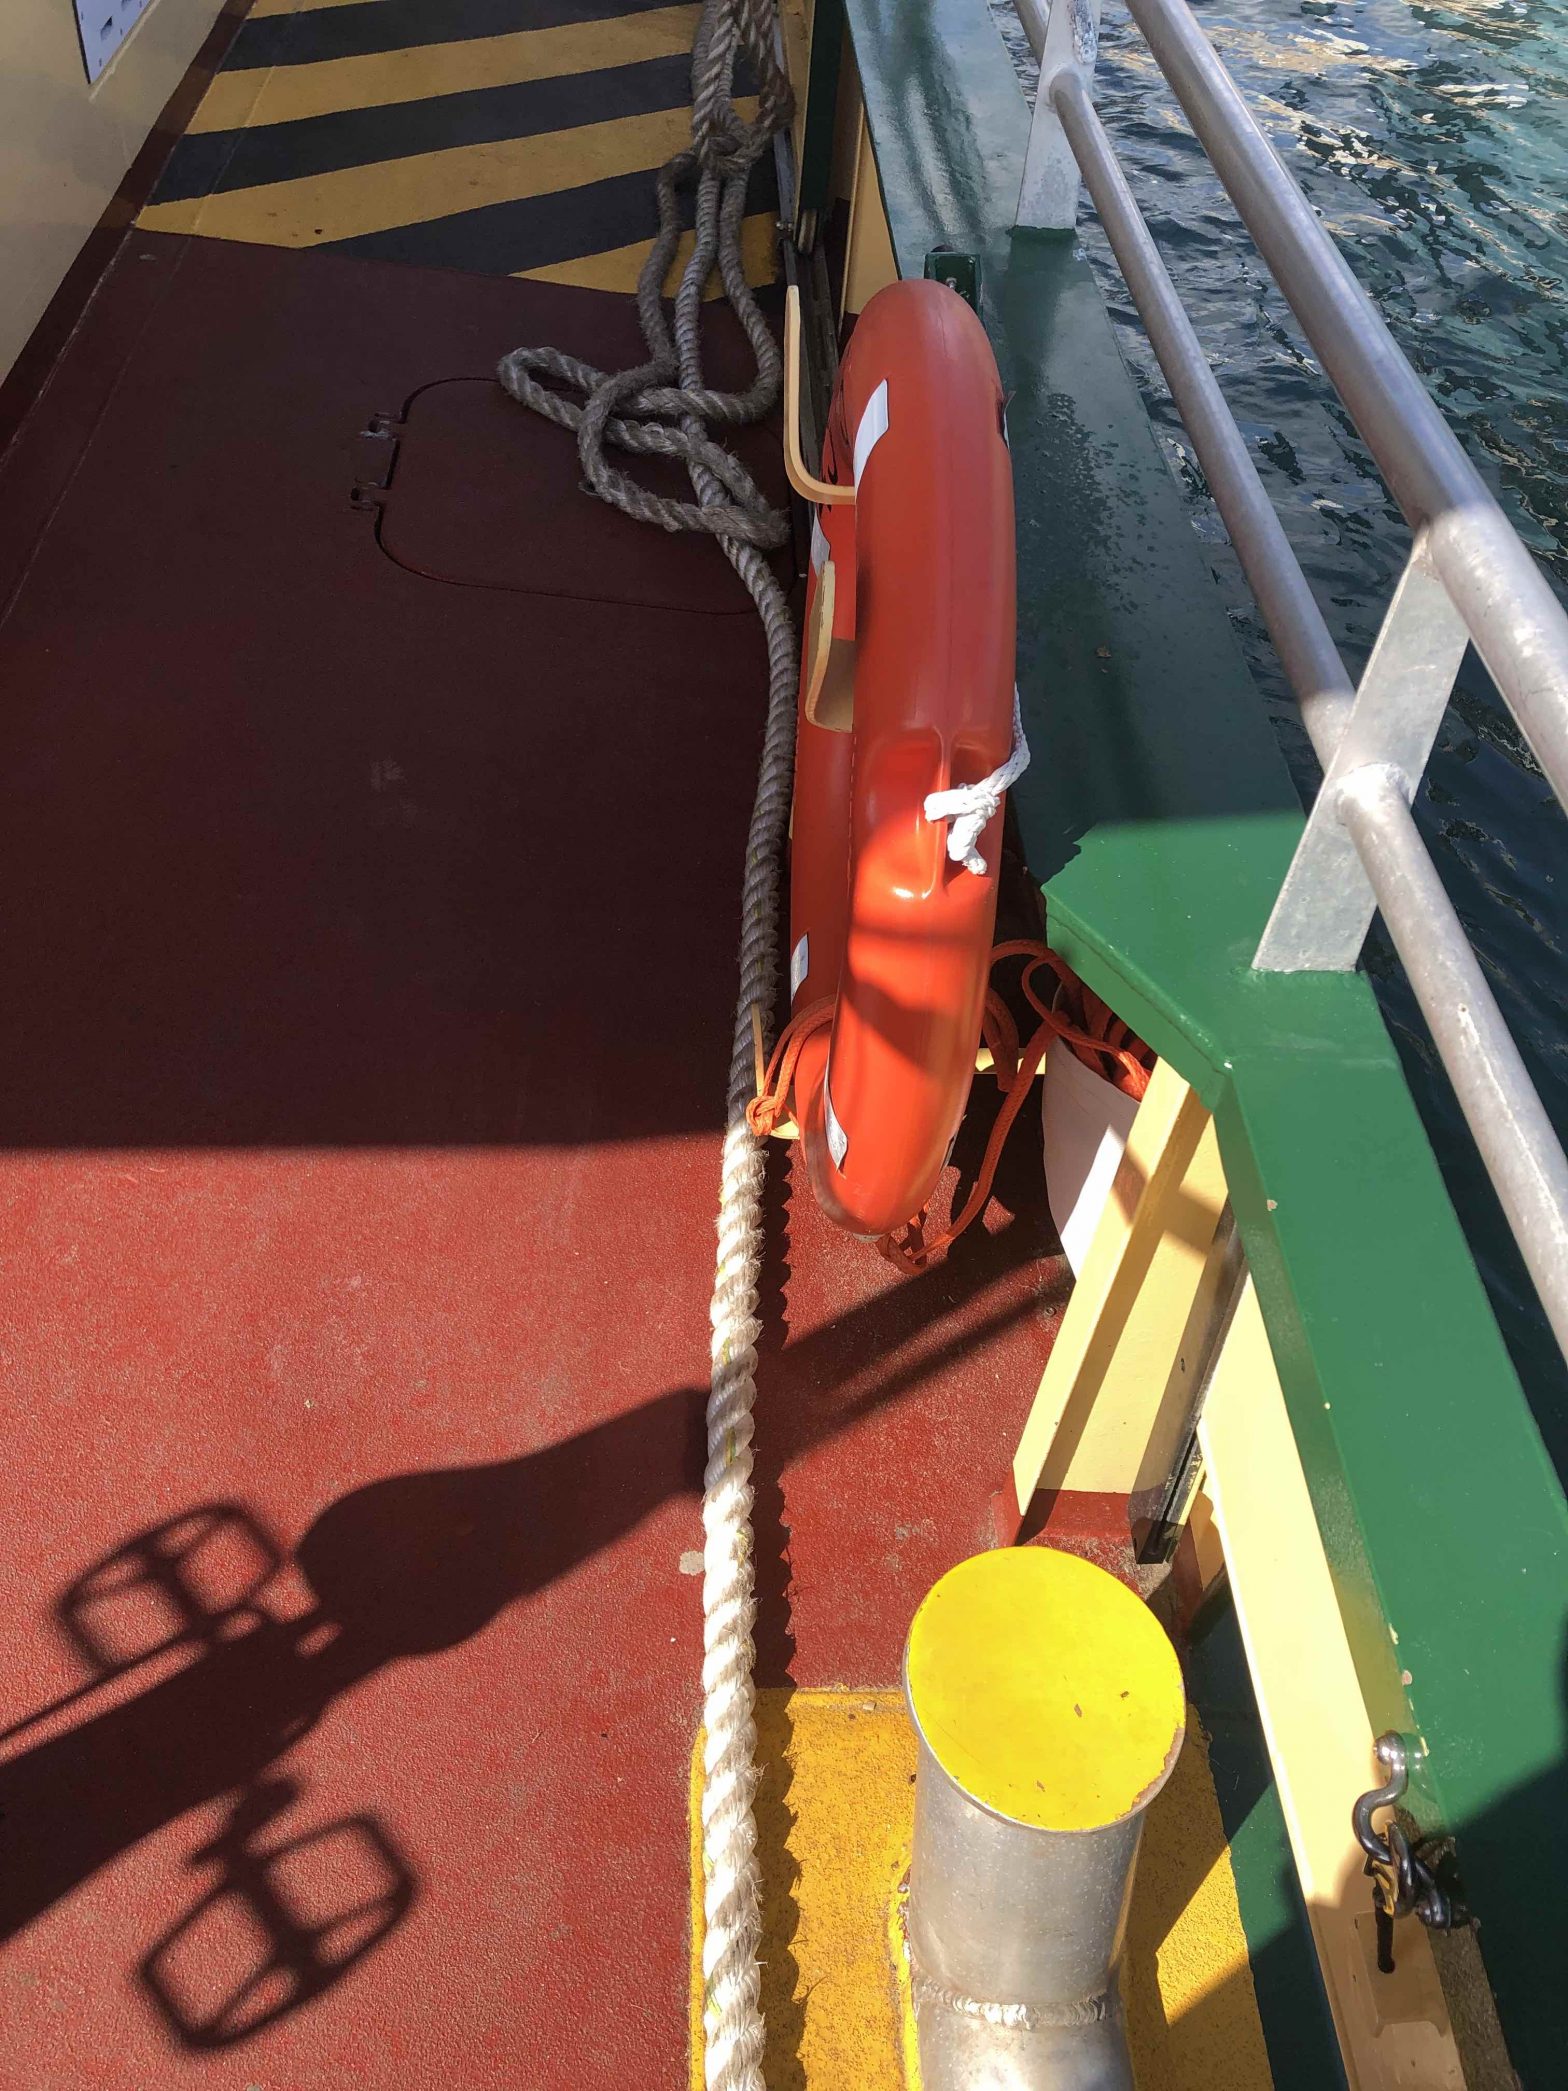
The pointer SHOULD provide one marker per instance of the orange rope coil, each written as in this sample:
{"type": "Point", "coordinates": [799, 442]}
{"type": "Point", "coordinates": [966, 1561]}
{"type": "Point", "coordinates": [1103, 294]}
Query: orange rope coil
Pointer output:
{"type": "Point", "coordinates": [1075, 1015]}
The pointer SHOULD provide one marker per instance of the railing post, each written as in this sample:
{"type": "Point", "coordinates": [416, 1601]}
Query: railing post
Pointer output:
{"type": "Point", "coordinates": [1326, 903]}
{"type": "Point", "coordinates": [1065, 41]}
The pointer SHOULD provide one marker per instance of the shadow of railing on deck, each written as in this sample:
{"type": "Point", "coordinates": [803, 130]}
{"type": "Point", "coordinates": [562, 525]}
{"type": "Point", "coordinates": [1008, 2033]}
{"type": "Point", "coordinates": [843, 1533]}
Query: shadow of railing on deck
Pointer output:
{"type": "Point", "coordinates": [403, 1567]}
{"type": "Point", "coordinates": [321, 1900]}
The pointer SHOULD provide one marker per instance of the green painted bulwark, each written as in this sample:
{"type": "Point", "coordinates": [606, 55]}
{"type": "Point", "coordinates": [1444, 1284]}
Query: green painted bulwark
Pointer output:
{"type": "Point", "coordinates": [1159, 818]}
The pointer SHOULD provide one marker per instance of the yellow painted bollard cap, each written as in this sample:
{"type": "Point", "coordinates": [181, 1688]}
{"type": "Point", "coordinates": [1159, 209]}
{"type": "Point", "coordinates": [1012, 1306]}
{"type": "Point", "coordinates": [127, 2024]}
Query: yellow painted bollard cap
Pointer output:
{"type": "Point", "coordinates": [1047, 1690]}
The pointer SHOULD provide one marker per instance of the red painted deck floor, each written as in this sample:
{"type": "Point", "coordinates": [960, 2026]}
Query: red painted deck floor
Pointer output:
{"type": "Point", "coordinates": [368, 903]}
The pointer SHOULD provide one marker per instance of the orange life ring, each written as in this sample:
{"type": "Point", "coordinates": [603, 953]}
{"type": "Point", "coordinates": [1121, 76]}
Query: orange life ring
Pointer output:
{"type": "Point", "coordinates": [911, 694]}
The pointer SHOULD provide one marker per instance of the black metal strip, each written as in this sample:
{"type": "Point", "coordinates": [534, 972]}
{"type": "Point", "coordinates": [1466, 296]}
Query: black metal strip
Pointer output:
{"type": "Point", "coordinates": [504, 238]}
{"type": "Point", "coordinates": [212, 162]}
{"type": "Point", "coordinates": [400, 25]}
{"type": "Point", "coordinates": [822, 71]}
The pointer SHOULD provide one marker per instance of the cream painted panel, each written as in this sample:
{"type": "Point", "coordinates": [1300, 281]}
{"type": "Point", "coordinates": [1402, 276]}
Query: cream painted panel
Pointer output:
{"type": "Point", "coordinates": [1393, 2035]}
{"type": "Point", "coordinates": [65, 146]}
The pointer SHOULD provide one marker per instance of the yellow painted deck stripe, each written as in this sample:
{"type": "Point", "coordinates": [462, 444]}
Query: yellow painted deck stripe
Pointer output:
{"type": "Point", "coordinates": [261, 8]}
{"type": "Point", "coordinates": [618, 268]}
{"type": "Point", "coordinates": [1192, 2009]}
{"type": "Point", "coordinates": [352, 201]}
{"type": "Point", "coordinates": [835, 1812]}
{"type": "Point", "coordinates": [835, 1823]}
{"type": "Point", "coordinates": [377, 79]}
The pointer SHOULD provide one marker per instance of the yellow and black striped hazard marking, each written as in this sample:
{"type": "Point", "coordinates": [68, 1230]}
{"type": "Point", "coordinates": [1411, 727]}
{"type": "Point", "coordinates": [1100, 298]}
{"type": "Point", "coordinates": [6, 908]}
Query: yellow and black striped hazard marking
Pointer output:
{"type": "Point", "coordinates": [512, 137]}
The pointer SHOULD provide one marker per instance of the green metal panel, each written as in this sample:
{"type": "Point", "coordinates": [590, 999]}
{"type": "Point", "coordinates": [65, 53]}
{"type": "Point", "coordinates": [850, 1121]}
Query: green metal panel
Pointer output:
{"type": "Point", "coordinates": [958, 270]}
{"type": "Point", "coordinates": [1159, 818]}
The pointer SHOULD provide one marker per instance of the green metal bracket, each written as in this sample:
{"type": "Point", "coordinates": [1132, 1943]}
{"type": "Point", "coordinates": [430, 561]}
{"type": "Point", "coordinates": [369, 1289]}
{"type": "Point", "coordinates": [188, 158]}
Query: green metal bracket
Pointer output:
{"type": "Point", "coordinates": [958, 270]}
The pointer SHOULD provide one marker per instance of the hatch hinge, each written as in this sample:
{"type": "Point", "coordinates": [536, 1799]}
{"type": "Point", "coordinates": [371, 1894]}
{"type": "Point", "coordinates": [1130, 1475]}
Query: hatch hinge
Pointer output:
{"type": "Point", "coordinates": [374, 460]}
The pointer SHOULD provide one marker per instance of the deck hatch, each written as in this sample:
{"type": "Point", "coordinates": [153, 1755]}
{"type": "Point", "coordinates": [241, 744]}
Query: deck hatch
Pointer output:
{"type": "Point", "coordinates": [487, 496]}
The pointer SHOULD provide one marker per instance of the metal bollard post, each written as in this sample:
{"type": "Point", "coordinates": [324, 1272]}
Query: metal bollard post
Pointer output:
{"type": "Point", "coordinates": [1049, 1708]}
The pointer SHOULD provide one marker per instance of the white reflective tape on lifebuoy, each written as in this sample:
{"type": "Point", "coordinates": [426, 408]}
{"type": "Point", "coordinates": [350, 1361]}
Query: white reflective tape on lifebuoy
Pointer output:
{"type": "Point", "coordinates": [819, 543]}
{"type": "Point", "coordinates": [838, 1139]}
{"type": "Point", "coordinates": [799, 966]}
{"type": "Point", "coordinates": [873, 427]}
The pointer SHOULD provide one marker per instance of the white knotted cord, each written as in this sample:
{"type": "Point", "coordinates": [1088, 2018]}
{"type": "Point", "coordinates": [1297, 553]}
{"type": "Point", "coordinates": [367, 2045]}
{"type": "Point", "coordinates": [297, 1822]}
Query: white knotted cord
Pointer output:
{"type": "Point", "coordinates": [673, 403]}
{"type": "Point", "coordinates": [971, 808]}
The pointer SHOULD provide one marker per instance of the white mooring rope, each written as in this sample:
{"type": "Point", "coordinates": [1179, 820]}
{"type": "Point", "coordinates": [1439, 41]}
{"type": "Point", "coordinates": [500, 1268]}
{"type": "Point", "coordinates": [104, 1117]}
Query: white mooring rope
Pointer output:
{"type": "Point", "coordinates": [672, 404]}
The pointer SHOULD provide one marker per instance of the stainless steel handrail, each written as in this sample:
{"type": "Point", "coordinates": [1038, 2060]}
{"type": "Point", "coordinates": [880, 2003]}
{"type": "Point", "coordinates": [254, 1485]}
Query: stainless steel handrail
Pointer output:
{"type": "Point", "coordinates": [1469, 580]}
{"type": "Point", "coordinates": [1515, 621]}
{"type": "Point", "coordinates": [1306, 649]}
{"type": "Point", "coordinates": [1511, 1128]}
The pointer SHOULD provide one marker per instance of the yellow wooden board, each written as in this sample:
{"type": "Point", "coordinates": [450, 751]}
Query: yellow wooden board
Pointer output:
{"type": "Point", "coordinates": [835, 1811]}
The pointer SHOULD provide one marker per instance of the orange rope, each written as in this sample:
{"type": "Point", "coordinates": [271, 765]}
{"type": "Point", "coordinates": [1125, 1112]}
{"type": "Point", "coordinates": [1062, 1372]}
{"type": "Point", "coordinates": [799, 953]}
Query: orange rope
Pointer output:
{"type": "Point", "coordinates": [1095, 1037]}
{"type": "Point", "coordinates": [1074, 1015]}
{"type": "Point", "coordinates": [1000, 1033]}
{"type": "Point", "coordinates": [770, 1106]}
{"type": "Point", "coordinates": [1080, 1019]}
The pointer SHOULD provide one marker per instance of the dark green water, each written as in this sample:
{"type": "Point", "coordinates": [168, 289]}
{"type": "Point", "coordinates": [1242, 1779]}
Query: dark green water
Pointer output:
{"type": "Point", "coordinates": [1433, 142]}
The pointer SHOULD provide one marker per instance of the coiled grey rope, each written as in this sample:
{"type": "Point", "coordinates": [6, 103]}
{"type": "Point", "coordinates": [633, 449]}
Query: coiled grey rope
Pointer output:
{"type": "Point", "coordinates": [663, 408]}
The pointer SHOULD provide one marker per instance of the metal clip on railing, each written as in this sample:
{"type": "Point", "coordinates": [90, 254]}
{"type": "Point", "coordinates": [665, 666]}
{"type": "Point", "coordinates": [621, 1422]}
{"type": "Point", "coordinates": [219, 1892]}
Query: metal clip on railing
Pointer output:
{"type": "Point", "coordinates": [1468, 581]}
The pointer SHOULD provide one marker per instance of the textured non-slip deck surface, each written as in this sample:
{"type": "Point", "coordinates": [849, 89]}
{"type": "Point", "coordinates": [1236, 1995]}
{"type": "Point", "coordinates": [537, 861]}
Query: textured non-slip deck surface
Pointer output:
{"type": "Point", "coordinates": [514, 137]}
{"type": "Point", "coordinates": [369, 953]}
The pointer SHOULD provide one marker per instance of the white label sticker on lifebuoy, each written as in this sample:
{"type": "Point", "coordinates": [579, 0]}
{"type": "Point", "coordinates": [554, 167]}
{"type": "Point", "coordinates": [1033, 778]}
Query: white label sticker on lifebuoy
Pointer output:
{"type": "Point", "coordinates": [838, 1139]}
{"type": "Point", "coordinates": [819, 543]}
{"type": "Point", "coordinates": [799, 965]}
{"type": "Point", "coordinates": [873, 427]}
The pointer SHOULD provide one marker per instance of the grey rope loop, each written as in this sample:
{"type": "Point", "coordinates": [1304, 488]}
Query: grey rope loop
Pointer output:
{"type": "Point", "coordinates": [664, 408]}
{"type": "Point", "coordinates": [659, 407]}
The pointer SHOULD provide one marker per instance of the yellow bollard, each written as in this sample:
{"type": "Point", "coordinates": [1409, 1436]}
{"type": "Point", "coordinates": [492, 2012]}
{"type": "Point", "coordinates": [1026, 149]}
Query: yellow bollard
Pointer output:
{"type": "Point", "coordinates": [1049, 1707]}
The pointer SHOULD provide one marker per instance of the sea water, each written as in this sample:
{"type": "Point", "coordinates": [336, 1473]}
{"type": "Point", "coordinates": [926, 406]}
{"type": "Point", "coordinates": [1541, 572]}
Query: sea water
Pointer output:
{"type": "Point", "coordinates": [1433, 142]}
